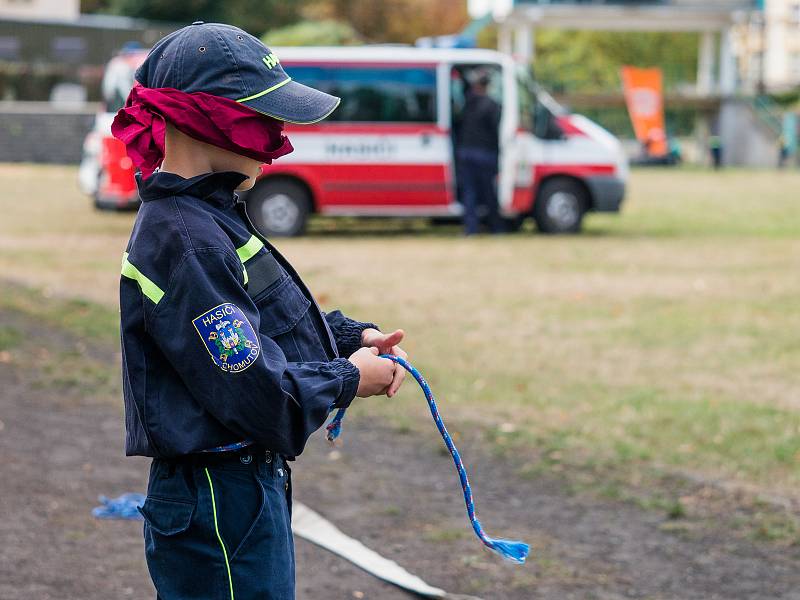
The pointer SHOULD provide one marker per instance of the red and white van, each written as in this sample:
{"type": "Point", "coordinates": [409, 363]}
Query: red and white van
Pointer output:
{"type": "Point", "coordinates": [387, 150]}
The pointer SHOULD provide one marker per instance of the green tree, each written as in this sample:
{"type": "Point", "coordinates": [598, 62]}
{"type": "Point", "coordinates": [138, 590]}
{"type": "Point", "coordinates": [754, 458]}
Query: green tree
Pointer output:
{"type": "Point", "coordinates": [590, 61]}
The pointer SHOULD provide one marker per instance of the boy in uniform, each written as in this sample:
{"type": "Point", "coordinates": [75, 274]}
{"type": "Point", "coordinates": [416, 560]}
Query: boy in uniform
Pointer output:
{"type": "Point", "coordinates": [228, 362]}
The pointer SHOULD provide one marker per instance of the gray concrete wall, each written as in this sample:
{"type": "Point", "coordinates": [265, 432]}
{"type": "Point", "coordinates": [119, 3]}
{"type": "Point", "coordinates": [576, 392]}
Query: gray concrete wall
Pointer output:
{"type": "Point", "coordinates": [35, 132]}
{"type": "Point", "coordinates": [746, 141]}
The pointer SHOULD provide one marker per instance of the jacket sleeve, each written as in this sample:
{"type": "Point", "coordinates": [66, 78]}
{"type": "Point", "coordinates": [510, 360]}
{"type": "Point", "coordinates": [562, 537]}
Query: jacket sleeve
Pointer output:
{"type": "Point", "coordinates": [207, 327]}
{"type": "Point", "coordinates": [346, 331]}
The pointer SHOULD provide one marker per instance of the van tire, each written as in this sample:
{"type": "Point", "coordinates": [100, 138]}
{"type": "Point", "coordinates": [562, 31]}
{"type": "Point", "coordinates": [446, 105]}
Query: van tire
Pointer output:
{"type": "Point", "coordinates": [279, 207]}
{"type": "Point", "coordinates": [560, 206]}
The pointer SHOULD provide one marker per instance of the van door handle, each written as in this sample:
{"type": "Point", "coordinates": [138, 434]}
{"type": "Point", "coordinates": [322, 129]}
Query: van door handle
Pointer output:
{"type": "Point", "coordinates": [426, 139]}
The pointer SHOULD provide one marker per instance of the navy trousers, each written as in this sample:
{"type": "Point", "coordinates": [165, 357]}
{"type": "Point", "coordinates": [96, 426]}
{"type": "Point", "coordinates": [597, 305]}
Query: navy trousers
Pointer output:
{"type": "Point", "coordinates": [477, 171]}
{"type": "Point", "coordinates": [218, 527]}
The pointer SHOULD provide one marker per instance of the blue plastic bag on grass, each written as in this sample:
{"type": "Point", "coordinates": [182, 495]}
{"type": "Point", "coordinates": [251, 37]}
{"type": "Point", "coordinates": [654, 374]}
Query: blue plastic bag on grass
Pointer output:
{"type": "Point", "coordinates": [123, 507]}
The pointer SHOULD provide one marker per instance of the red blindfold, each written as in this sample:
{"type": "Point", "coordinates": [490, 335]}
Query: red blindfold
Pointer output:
{"type": "Point", "coordinates": [218, 121]}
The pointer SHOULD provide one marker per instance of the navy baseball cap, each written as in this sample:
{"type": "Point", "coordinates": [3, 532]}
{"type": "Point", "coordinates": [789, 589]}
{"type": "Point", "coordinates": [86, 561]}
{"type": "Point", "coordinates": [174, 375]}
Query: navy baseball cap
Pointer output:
{"type": "Point", "coordinates": [225, 61]}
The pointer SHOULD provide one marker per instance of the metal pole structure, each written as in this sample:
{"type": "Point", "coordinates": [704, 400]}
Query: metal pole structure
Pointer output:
{"type": "Point", "coordinates": [705, 64]}
{"type": "Point", "coordinates": [504, 39]}
{"type": "Point", "coordinates": [727, 64]}
{"type": "Point", "coordinates": [761, 15]}
{"type": "Point", "coordinates": [523, 43]}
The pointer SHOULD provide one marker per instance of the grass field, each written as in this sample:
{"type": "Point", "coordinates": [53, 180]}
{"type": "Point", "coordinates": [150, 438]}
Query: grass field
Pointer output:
{"type": "Point", "coordinates": [661, 341]}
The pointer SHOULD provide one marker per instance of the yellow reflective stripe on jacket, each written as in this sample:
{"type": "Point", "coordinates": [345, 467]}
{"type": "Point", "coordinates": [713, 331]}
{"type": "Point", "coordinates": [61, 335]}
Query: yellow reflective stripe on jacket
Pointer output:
{"type": "Point", "coordinates": [149, 289]}
{"type": "Point", "coordinates": [248, 251]}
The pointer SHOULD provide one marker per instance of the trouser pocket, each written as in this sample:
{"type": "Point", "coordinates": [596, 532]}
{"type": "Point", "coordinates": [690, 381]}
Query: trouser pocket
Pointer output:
{"type": "Point", "coordinates": [177, 537]}
{"type": "Point", "coordinates": [171, 499]}
{"type": "Point", "coordinates": [167, 517]}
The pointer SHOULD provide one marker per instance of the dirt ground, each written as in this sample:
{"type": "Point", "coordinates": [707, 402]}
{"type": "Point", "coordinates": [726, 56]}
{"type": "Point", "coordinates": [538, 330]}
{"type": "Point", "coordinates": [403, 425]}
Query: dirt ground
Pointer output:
{"type": "Point", "coordinates": [393, 489]}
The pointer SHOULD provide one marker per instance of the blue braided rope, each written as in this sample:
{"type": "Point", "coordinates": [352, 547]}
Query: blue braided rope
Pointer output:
{"type": "Point", "coordinates": [513, 551]}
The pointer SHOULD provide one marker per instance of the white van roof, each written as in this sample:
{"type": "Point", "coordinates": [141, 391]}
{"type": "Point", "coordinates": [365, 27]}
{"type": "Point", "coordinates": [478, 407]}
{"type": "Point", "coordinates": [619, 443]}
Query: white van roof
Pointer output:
{"type": "Point", "coordinates": [389, 53]}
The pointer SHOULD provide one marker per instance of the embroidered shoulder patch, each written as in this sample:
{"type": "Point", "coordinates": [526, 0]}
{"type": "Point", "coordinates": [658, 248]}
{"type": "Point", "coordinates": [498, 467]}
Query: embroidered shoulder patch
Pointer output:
{"type": "Point", "coordinates": [229, 337]}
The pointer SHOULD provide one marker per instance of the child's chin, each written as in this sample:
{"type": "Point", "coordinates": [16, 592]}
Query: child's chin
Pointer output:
{"type": "Point", "coordinates": [245, 185]}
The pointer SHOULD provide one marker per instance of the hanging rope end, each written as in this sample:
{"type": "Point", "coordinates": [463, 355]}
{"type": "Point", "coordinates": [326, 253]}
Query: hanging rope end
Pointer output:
{"type": "Point", "coordinates": [334, 429]}
{"type": "Point", "coordinates": [511, 550]}
{"type": "Point", "coordinates": [335, 426]}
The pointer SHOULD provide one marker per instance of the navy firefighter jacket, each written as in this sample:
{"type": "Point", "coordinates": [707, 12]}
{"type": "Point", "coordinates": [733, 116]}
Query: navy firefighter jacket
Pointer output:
{"type": "Point", "coordinates": [221, 340]}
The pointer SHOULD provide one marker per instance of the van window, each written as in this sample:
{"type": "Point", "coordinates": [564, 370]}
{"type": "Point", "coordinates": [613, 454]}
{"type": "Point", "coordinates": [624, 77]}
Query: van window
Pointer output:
{"type": "Point", "coordinates": [374, 93]}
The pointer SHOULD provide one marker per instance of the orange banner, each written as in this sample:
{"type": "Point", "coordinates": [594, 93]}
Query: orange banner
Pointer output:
{"type": "Point", "coordinates": [645, 99]}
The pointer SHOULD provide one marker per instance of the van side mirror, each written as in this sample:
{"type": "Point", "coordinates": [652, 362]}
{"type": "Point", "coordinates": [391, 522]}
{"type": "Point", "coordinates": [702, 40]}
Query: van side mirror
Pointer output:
{"type": "Point", "coordinates": [554, 130]}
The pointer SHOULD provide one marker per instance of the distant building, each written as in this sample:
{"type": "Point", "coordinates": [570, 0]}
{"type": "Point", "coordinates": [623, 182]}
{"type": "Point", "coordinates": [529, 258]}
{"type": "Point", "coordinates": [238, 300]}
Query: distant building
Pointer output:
{"type": "Point", "coordinates": [41, 56]}
{"type": "Point", "coordinates": [40, 10]}
{"type": "Point", "coordinates": [769, 47]}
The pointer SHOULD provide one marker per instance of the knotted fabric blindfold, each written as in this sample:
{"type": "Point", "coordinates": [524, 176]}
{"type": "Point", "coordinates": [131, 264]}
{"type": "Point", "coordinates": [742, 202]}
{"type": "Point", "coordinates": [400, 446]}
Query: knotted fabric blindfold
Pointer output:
{"type": "Point", "coordinates": [212, 119]}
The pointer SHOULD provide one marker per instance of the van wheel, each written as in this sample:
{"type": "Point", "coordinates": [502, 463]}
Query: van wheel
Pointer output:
{"type": "Point", "coordinates": [560, 206]}
{"type": "Point", "coordinates": [279, 208]}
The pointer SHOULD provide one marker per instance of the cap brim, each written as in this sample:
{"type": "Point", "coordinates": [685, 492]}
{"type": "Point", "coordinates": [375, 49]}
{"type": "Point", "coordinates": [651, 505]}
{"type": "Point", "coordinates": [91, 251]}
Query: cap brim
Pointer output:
{"type": "Point", "coordinates": [293, 102]}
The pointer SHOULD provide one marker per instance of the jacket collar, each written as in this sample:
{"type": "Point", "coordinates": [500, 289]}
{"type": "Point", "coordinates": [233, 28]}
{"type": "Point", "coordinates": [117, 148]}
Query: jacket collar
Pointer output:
{"type": "Point", "coordinates": [217, 187]}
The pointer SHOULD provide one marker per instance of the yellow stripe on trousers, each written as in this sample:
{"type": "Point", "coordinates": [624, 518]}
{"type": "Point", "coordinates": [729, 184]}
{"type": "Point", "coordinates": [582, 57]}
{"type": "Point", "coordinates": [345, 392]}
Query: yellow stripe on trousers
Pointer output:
{"type": "Point", "coordinates": [219, 537]}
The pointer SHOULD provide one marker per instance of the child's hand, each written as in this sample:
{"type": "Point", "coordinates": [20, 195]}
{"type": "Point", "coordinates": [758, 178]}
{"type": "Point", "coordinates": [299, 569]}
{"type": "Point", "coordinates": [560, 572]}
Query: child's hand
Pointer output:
{"type": "Point", "coordinates": [386, 343]}
{"type": "Point", "coordinates": [376, 373]}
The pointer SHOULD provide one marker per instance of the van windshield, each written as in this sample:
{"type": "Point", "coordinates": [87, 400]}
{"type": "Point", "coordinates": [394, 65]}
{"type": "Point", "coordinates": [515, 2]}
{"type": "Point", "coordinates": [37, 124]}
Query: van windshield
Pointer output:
{"type": "Point", "coordinates": [527, 81]}
{"type": "Point", "coordinates": [537, 109]}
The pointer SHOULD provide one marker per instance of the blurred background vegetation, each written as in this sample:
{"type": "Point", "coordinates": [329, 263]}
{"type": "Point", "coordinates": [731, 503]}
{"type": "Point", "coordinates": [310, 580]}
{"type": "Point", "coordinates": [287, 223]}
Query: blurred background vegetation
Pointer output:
{"type": "Point", "coordinates": [570, 62]}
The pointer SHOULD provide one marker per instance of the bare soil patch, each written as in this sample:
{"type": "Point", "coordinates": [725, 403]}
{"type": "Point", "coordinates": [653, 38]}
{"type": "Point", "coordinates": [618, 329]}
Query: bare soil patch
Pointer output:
{"type": "Point", "coordinates": [392, 488]}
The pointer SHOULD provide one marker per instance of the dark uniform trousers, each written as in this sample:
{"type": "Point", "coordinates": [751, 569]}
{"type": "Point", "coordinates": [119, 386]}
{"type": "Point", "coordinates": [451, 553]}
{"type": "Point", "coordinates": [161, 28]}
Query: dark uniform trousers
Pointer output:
{"type": "Point", "coordinates": [477, 172]}
{"type": "Point", "coordinates": [218, 527]}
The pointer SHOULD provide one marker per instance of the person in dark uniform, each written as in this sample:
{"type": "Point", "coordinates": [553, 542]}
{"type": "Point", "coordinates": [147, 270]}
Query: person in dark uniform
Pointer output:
{"type": "Point", "coordinates": [477, 151]}
{"type": "Point", "coordinates": [228, 363]}
{"type": "Point", "coordinates": [715, 148]}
